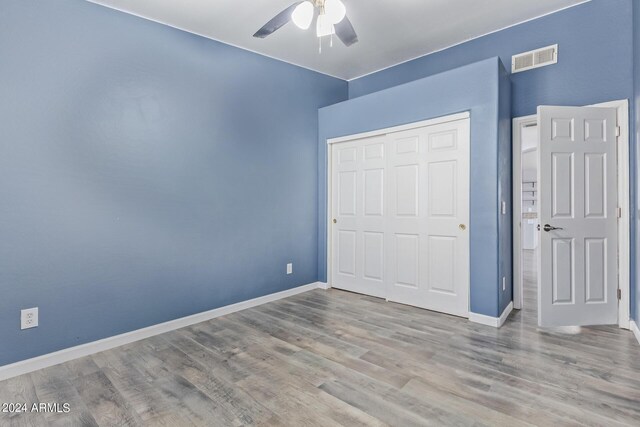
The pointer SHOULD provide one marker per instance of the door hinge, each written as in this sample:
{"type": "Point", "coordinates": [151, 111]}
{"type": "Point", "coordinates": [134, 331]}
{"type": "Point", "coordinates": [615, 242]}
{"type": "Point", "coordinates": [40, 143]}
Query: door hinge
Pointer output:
{"type": "Point", "coordinates": [619, 294]}
{"type": "Point", "coordinates": [618, 131]}
{"type": "Point", "coordinates": [619, 212]}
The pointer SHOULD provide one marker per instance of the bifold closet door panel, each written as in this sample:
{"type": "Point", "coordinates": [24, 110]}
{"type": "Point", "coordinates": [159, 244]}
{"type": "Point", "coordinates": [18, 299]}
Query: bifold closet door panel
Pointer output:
{"type": "Point", "coordinates": [358, 188]}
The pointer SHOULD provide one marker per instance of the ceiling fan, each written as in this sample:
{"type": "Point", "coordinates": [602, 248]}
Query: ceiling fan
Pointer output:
{"type": "Point", "coordinates": [331, 19]}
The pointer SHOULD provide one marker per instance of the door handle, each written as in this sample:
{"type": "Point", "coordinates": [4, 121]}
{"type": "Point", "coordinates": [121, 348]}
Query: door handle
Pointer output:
{"type": "Point", "coordinates": [548, 228]}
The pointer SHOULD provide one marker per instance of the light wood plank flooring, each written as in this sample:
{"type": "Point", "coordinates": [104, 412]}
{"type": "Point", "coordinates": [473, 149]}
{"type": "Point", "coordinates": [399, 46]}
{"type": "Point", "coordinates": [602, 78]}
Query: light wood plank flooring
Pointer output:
{"type": "Point", "coordinates": [335, 358]}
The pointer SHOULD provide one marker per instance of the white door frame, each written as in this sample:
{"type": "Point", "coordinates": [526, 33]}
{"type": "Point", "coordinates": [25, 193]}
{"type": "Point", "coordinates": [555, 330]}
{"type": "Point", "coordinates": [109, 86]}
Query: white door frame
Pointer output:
{"type": "Point", "coordinates": [331, 141]}
{"type": "Point", "coordinates": [622, 107]}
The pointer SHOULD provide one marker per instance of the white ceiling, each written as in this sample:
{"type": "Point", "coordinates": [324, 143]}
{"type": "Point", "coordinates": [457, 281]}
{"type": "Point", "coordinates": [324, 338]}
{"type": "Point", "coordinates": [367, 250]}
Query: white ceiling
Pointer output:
{"type": "Point", "coordinates": [390, 31]}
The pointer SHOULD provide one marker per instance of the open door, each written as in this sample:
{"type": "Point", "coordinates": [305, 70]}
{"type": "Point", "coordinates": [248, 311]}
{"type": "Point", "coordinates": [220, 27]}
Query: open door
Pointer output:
{"type": "Point", "coordinates": [577, 266]}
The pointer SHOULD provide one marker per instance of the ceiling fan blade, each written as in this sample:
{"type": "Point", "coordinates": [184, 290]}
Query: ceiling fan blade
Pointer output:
{"type": "Point", "coordinates": [345, 32]}
{"type": "Point", "coordinates": [277, 22]}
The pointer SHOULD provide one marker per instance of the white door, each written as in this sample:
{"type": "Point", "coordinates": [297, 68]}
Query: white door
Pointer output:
{"type": "Point", "coordinates": [400, 207]}
{"type": "Point", "coordinates": [428, 209]}
{"type": "Point", "coordinates": [358, 181]}
{"type": "Point", "coordinates": [577, 271]}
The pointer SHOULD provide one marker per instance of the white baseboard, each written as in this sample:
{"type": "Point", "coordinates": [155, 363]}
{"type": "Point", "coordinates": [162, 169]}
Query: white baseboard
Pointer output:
{"type": "Point", "coordinates": [324, 285]}
{"type": "Point", "coordinates": [496, 322]}
{"type": "Point", "coordinates": [634, 328]}
{"type": "Point", "coordinates": [52, 359]}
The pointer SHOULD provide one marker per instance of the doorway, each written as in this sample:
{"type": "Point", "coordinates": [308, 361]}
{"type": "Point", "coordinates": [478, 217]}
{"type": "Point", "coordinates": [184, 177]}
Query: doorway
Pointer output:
{"type": "Point", "coordinates": [529, 261]}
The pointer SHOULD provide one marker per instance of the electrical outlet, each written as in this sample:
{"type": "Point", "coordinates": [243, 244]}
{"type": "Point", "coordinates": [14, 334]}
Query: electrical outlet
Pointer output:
{"type": "Point", "coordinates": [504, 283]}
{"type": "Point", "coordinates": [290, 268]}
{"type": "Point", "coordinates": [29, 318]}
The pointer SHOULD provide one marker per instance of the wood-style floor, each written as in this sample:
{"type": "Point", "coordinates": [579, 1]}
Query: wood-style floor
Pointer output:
{"type": "Point", "coordinates": [336, 358]}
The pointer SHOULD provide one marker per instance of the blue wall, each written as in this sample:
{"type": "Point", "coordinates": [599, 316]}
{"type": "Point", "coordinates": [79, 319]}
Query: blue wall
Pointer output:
{"type": "Point", "coordinates": [145, 173]}
{"type": "Point", "coordinates": [505, 192]}
{"type": "Point", "coordinates": [481, 88]}
{"type": "Point", "coordinates": [595, 65]}
{"type": "Point", "coordinates": [595, 62]}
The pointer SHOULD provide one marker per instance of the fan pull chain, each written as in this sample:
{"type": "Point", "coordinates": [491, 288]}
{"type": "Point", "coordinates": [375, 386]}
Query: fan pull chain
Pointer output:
{"type": "Point", "coordinates": [331, 42]}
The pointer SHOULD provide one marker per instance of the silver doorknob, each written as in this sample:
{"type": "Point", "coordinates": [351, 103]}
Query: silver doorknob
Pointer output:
{"type": "Point", "coordinates": [548, 228]}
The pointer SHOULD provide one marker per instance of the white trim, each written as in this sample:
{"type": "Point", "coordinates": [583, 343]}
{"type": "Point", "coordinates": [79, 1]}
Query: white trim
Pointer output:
{"type": "Point", "coordinates": [495, 322]}
{"type": "Point", "coordinates": [323, 285]}
{"type": "Point", "coordinates": [505, 314]}
{"type": "Point", "coordinates": [634, 328]}
{"type": "Point", "coordinates": [622, 107]}
{"type": "Point", "coordinates": [518, 123]}
{"type": "Point", "coordinates": [409, 126]}
{"type": "Point", "coordinates": [328, 252]}
{"type": "Point", "coordinates": [624, 244]}
{"type": "Point", "coordinates": [51, 359]}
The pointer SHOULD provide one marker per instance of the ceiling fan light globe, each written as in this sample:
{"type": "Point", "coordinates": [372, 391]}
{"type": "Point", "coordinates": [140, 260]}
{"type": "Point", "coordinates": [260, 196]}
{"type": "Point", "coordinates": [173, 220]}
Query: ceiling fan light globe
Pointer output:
{"type": "Point", "coordinates": [335, 10]}
{"type": "Point", "coordinates": [324, 26]}
{"type": "Point", "coordinates": [302, 15]}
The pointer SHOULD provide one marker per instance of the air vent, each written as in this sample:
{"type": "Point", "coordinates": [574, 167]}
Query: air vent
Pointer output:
{"type": "Point", "coordinates": [534, 59]}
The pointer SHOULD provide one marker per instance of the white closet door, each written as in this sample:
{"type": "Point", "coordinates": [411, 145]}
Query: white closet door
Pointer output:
{"type": "Point", "coordinates": [400, 206]}
{"type": "Point", "coordinates": [358, 181]}
{"type": "Point", "coordinates": [428, 252]}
